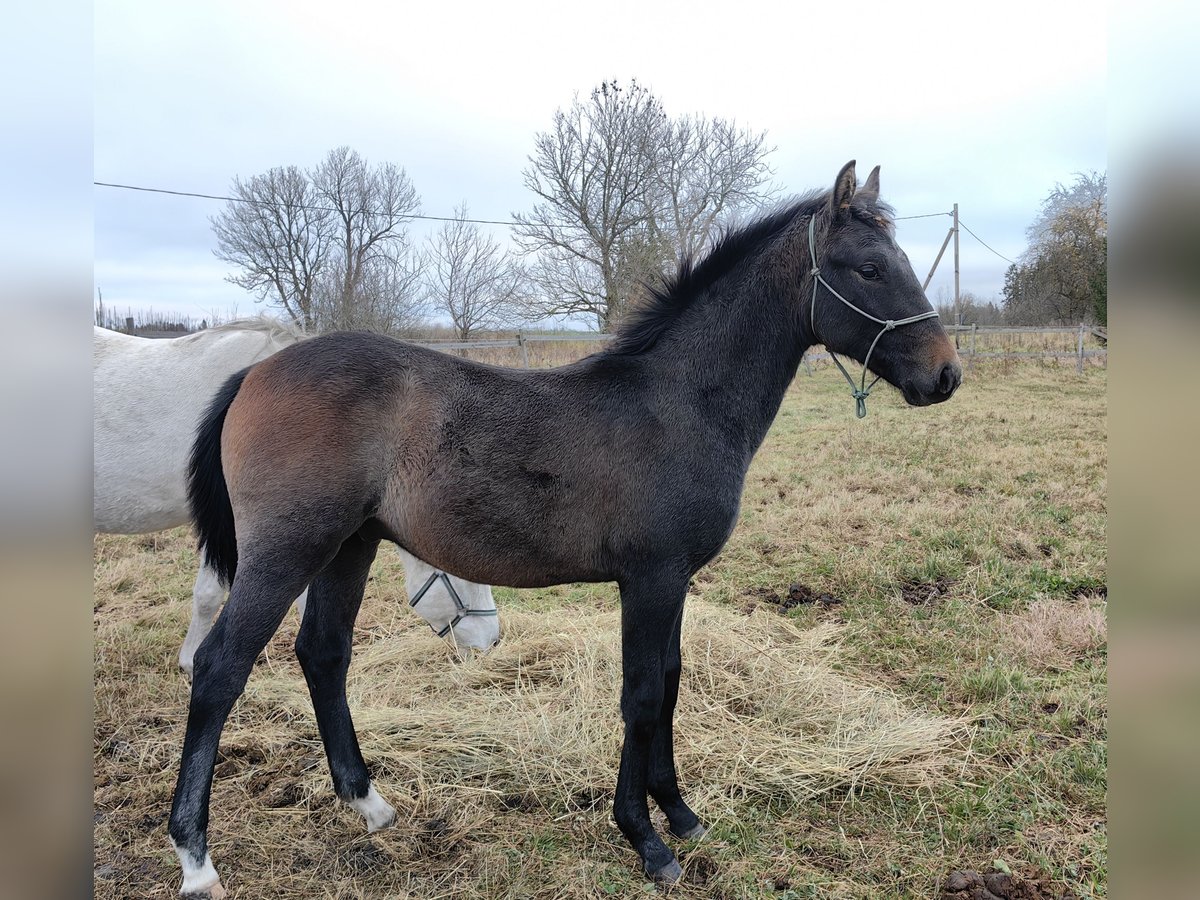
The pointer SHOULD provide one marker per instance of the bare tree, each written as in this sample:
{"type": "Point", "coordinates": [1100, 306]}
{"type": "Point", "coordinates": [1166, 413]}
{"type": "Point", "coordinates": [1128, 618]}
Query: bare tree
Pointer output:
{"type": "Point", "coordinates": [278, 233]}
{"type": "Point", "coordinates": [971, 309]}
{"type": "Point", "coordinates": [707, 169]}
{"type": "Point", "coordinates": [471, 278]}
{"type": "Point", "coordinates": [388, 297]}
{"type": "Point", "coordinates": [624, 191]}
{"type": "Point", "coordinates": [330, 246]}
{"type": "Point", "coordinates": [592, 174]}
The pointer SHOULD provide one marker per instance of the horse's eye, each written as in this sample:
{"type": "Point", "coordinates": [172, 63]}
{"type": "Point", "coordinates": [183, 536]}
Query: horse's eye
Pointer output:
{"type": "Point", "coordinates": [870, 270]}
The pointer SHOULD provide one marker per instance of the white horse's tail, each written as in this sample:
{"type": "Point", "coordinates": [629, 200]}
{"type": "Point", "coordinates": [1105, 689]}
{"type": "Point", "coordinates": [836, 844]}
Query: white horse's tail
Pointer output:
{"type": "Point", "coordinates": [208, 495]}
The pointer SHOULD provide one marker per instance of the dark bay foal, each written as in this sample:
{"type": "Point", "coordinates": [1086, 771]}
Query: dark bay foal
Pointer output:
{"type": "Point", "coordinates": [626, 466]}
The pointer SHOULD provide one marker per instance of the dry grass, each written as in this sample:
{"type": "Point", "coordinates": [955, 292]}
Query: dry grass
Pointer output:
{"type": "Point", "coordinates": [1054, 633]}
{"type": "Point", "coordinates": [828, 748]}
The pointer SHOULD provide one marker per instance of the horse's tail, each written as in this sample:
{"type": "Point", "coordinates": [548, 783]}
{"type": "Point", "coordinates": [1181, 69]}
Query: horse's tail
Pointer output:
{"type": "Point", "coordinates": [208, 495]}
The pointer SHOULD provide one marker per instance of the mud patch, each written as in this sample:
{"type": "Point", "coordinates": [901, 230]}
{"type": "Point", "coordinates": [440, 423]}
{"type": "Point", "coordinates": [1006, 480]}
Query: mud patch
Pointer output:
{"type": "Point", "coordinates": [590, 798]}
{"type": "Point", "coordinates": [797, 595]}
{"type": "Point", "coordinates": [288, 795]}
{"type": "Point", "coordinates": [698, 868]}
{"type": "Point", "coordinates": [968, 884]}
{"type": "Point", "coordinates": [519, 803]}
{"type": "Point", "coordinates": [922, 593]}
{"type": "Point", "coordinates": [801, 594]}
{"type": "Point", "coordinates": [363, 858]}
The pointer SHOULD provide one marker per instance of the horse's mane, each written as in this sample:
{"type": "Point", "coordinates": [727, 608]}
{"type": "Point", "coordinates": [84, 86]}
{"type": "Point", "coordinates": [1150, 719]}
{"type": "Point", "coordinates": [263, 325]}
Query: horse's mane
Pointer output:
{"type": "Point", "coordinates": [666, 301]}
{"type": "Point", "coordinates": [273, 328]}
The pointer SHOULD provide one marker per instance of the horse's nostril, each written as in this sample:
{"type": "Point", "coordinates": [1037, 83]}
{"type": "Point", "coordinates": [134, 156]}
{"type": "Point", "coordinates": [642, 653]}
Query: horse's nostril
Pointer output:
{"type": "Point", "coordinates": [948, 378]}
{"type": "Point", "coordinates": [495, 643]}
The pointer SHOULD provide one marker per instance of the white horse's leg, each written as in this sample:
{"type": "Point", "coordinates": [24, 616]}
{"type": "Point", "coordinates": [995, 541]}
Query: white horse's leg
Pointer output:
{"type": "Point", "coordinates": [206, 600]}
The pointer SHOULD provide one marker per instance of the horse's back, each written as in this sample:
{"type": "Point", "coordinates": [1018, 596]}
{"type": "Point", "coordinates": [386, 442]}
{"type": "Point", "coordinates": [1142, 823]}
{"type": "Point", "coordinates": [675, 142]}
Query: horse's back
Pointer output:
{"type": "Point", "coordinates": [149, 396]}
{"type": "Point", "coordinates": [452, 457]}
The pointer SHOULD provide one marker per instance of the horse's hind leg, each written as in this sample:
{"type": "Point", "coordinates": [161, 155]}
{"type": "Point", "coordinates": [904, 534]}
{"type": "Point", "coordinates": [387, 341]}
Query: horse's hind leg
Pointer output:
{"type": "Point", "coordinates": [663, 782]}
{"type": "Point", "coordinates": [206, 600]}
{"type": "Point", "coordinates": [265, 587]}
{"type": "Point", "coordinates": [324, 647]}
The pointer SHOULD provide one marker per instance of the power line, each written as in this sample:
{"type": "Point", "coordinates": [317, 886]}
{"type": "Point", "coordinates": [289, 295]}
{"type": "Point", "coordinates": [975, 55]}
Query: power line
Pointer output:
{"type": "Point", "coordinates": [150, 190]}
{"type": "Point", "coordinates": [508, 222]}
{"type": "Point", "coordinates": [985, 243]}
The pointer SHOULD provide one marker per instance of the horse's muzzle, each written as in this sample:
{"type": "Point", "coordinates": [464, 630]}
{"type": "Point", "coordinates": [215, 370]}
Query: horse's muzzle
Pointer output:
{"type": "Point", "coordinates": [939, 387]}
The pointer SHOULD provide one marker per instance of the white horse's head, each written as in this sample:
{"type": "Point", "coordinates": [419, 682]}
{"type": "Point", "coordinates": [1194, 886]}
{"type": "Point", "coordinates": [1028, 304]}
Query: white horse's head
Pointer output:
{"type": "Point", "coordinates": [461, 612]}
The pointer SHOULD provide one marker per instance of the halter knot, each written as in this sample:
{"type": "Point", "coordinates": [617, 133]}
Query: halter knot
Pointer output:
{"type": "Point", "coordinates": [889, 325]}
{"type": "Point", "coordinates": [815, 272]}
{"type": "Point", "coordinates": [860, 403]}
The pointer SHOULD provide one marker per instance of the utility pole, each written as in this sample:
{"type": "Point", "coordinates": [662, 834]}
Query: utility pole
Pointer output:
{"type": "Point", "coordinates": [957, 307]}
{"type": "Point", "coordinates": [952, 233]}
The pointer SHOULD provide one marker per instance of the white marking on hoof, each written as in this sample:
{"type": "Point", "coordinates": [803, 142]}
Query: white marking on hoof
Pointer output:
{"type": "Point", "coordinates": [377, 811]}
{"type": "Point", "coordinates": [198, 879]}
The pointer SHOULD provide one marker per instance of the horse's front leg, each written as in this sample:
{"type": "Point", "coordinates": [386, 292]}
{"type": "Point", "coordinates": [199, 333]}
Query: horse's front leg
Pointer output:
{"type": "Point", "coordinates": [650, 609]}
{"type": "Point", "coordinates": [663, 782]}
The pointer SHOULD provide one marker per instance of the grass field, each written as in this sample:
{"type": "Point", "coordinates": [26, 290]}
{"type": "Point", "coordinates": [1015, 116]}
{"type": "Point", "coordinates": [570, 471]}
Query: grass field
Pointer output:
{"type": "Point", "coordinates": [896, 668]}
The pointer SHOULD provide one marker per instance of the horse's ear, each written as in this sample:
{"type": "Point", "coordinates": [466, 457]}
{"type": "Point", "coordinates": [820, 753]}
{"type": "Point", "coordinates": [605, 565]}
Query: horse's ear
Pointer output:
{"type": "Point", "coordinates": [843, 188]}
{"type": "Point", "coordinates": [871, 185]}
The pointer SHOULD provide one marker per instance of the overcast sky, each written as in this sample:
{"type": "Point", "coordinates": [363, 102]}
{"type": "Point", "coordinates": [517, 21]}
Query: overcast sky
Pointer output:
{"type": "Point", "coordinates": [984, 105]}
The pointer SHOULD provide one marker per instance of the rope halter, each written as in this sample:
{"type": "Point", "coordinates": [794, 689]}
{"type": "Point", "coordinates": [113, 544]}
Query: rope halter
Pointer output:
{"type": "Point", "coordinates": [862, 390]}
{"type": "Point", "coordinates": [463, 609]}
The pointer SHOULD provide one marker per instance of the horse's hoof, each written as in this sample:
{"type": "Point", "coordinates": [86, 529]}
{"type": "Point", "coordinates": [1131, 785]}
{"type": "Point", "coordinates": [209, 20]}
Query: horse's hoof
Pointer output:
{"type": "Point", "coordinates": [668, 874]}
{"type": "Point", "coordinates": [378, 812]}
{"type": "Point", "coordinates": [213, 892]}
{"type": "Point", "coordinates": [696, 831]}
{"type": "Point", "coordinates": [381, 824]}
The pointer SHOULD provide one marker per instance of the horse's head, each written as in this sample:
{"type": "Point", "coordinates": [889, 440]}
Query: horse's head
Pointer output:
{"type": "Point", "coordinates": [460, 612]}
{"type": "Point", "coordinates": [867, 301]}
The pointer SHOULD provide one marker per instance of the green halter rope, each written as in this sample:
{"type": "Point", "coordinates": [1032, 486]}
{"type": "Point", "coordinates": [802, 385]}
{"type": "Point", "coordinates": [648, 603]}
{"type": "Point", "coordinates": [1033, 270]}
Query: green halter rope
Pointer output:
{"type": "Point", "coordinates": [862, 391]}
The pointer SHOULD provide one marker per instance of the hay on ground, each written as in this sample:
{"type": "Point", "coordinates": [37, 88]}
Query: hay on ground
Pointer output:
{"type": "Point", "coordinates": [481, 757]}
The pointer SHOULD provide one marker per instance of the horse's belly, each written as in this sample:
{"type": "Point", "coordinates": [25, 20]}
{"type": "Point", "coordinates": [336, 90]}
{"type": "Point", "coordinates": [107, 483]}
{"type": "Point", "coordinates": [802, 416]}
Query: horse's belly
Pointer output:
{"type": "Point", "coordinates": [126, 504]}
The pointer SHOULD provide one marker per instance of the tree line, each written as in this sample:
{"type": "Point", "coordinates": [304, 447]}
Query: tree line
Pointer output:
{"type": "Point", "coordinates": [1062, 278]}
{"type": "Point", "coordinates": [622, 191]}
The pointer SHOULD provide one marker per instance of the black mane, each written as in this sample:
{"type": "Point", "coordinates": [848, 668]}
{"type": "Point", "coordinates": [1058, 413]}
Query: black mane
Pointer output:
{"type": "Point", "coordinates": [642, 329]}
{"type": "Point", "coordinates": [646, 324]}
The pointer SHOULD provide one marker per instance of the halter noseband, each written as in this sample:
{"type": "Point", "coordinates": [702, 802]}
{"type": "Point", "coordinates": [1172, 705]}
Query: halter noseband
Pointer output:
{"type": "Point", "coordinates": [463, 609]}
{"type": "Point", "coordinates": [862, 391]}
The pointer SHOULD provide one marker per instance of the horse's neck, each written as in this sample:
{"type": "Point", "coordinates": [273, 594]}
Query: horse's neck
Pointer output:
{"type": "Point", "coordinates": [739, 345]}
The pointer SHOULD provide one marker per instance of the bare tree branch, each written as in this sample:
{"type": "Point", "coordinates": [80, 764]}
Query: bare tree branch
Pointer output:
{"type": "Point", "coordinates": [471, 279]}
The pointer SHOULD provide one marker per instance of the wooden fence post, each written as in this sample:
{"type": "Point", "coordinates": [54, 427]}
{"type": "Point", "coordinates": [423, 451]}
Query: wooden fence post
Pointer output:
{"type": "Point", "coordinates": [524, 349]}
{"type": "Point", "coordinates": [1079, 351]}
{"type": "Point", "coordinates": [974, 331]}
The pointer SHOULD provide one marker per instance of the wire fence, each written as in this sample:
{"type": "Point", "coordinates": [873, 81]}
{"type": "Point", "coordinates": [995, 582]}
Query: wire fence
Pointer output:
{"type": "Point", "coordinates": [1082, 343]}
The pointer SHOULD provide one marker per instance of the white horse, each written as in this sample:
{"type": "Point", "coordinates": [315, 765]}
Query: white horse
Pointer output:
{"type": "Point", "coordinates": [149, 396]}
